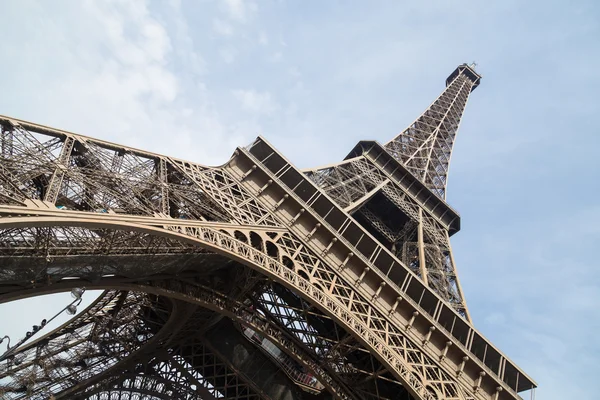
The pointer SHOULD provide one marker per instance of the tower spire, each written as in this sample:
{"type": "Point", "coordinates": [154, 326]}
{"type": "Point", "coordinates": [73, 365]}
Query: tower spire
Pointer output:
{"type": "Point", "coordinates": [425, 147]}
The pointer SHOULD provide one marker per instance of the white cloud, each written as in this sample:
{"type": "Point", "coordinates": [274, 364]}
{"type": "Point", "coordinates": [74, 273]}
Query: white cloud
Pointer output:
{"type": "Point", "coordinates": [132, 34]}
{"type": "Point", "coordinates": [127, 82]}
{"type": "Point", "coordinates": [222, 27]}
{"type": "Point", "coordinates": [228, 54]}
{"type": "Point", "coordinates": [263, 38]}
{"type": "Point", "coordinates": [240, 10]}
{"type": "Point", "coordinates": [256, 102]}
{"type": "Point", "coordinates": [119, 71]}
{"type": "Point", "coordinates": [185, 50]}
{"type": "Point", "coordinates": [276, 57]}
{"type": "Point", "coordinates": [294, 72]}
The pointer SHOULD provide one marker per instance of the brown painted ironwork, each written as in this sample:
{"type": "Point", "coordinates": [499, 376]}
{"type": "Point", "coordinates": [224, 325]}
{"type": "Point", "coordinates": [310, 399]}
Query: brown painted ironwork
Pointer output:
{"type": "Point", "coordinates": [249, 280]}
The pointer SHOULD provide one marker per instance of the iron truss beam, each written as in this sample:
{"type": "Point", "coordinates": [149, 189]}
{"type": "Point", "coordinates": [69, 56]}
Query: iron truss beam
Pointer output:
{"type": "Point", "coordinates": [341, 279]}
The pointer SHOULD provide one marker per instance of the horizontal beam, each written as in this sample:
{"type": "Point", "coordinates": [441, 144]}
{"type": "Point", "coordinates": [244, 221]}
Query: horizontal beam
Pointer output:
{"type": "Point", "coordinates": [43, 211]}
{"type": "Point", "coordinates": [60, 133]}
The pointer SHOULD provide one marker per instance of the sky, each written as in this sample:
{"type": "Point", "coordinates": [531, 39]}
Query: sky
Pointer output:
{"type": "Point", "coordinates": [195, 79]}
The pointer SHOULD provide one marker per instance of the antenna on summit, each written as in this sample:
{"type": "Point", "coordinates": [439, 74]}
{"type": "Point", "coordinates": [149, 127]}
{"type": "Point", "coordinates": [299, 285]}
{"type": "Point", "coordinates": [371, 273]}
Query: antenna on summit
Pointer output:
{"type": "Point", "coordinates": [473, 64]}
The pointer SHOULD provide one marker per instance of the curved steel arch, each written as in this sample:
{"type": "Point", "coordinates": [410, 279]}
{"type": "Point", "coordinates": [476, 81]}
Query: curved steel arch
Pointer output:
{"type": "Point", "coordinates": [111, 283]}
{"type": "Point", "coordinates": [166, 377]}
{"type": "Point", "coordinates": [213, 301]}
{"type": "Point", "coordinates": [353, 241]}
{"type": "Point", "coordinates": [108, 333]}
{"type": "Point", "coordinates": [221, 243]}
{"type": "Point", "coordinates": [220, 303]}
{"type": "Point", "coordinates": [132, 385]}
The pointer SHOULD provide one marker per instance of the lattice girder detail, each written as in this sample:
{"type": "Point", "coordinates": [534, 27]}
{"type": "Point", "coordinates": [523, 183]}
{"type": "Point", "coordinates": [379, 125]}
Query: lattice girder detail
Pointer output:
{"type": "Point", "coordinates": [188, 334]}
{"type": "Point", "coordinates": [108, 333]}
{"type": "Point", "coordinates": [362, 180]}
{"type": "Point", "coordinates": [334, 277]}
{"type": "Point", "coordinates": [338, 352]}
{"type": "Point", "coordinates": [316, 295]}
{"type": "Point", "coordinates": [425, 147]}
{"type": "Point", "coordinates": [85, 174]}
{"type": "Point", "coordinates": [154, 371]}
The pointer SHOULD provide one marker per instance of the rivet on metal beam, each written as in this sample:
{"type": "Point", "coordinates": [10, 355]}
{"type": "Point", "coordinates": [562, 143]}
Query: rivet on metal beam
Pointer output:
{"type": "Point", "coordinates": [317, 226]}
{"type": "Point", "coordinates": [398, 300]}
{"type": "Point", "coordinates": [381, 286]}
{"type": "Point", "coordinates": [360, 278]}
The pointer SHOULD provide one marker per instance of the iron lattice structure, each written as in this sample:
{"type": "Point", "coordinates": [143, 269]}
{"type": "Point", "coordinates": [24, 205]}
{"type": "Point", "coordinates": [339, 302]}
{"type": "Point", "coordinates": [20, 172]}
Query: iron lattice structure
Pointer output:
{"type": "Point", "coordinates": [252, 280]}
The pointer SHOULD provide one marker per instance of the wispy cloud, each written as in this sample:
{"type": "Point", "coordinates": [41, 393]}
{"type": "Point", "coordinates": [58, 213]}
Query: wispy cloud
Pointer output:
{"type": "Point", "coordinates": [240, 10]}
{"type": "Point", "coordinates": [125, 73]}
{"type": "Point", "coordinates": [256, 102]}
{"type": "Point", "coordinates": [222, 27]}
{"type": "Point", "coordinates": [263, 38]}
{"type": "Point", "coordinates": [228, 54]}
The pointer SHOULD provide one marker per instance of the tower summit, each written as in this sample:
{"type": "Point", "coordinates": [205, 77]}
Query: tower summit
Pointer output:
{"type": "Point", "coordinates": [425, 147]}
{"type": "Point", "coordinates": [252, 280]}
{"type": "Point", "coordinates": [397, 190]}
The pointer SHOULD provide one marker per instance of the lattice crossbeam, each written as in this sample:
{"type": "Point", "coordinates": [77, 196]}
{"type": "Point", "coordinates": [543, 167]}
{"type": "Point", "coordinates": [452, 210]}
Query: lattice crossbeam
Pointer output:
{"type": "Point", "coordinates": [360, 292]}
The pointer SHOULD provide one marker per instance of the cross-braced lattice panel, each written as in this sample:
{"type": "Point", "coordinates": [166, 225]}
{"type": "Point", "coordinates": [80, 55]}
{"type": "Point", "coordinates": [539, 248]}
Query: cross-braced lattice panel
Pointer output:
{"type": "Point", "coordinates": [83, 174]}
{"type": "Point", "coordinates": [323, 277]}
{"type": "Point", "coordinates": [346, 182]}
{"type": "Point", "coordinates": [336, 351]}
{"type": "Point", "coordinates": [403, 240]}
{"type": "Point", "coordinates": [100, 179]}
{"type": "Point", "coordinates": [27, 162]}
{"type": "Point", "coordinates": [30, 256]}
{"type": "Point", "coordinates": [141, 386]}
{"type": "Point", "coordinates": [93, 342]}
{"type": "Point", "coordinates": [153, 372]}
{"type": "Point", "coordinates": [425, 147]}
{"type": "Point", "coordinates": [206, 368]}
{"type": "Point", "coordinates": [228, 193]}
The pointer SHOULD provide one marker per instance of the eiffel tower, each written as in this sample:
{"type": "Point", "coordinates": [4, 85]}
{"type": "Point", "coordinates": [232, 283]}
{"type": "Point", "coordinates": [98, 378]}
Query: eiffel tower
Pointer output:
{"type": "Point", "coordinates": [252, 280]}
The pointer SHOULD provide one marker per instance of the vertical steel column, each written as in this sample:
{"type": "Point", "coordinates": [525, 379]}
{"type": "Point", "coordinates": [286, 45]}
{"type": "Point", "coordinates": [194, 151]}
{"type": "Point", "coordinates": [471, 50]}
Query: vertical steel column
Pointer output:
{"type": "Point", "coordinates": [62, 163]}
